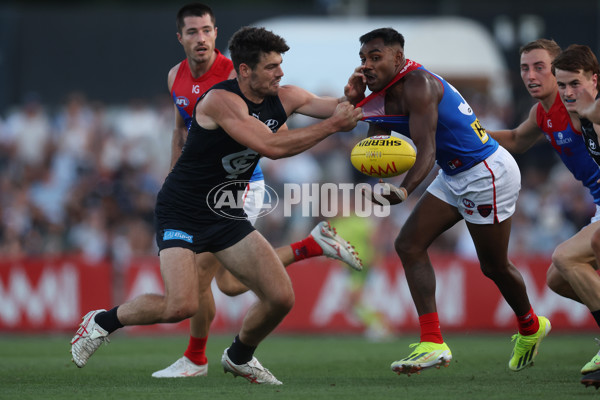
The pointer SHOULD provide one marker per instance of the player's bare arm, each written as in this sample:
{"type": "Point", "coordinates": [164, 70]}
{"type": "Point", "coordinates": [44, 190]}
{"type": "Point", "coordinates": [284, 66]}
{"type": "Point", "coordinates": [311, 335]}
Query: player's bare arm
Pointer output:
{"type": "Point", "coordinates": [301, 101]}
{"type": "Point", "coordinates": [520, 139]}
{"type": "Point", "coordinates": [179, 135]}
{"type": "Point", "coordinates": [229, 111]}
{"type": "Point", "coordinates": [420, 95]}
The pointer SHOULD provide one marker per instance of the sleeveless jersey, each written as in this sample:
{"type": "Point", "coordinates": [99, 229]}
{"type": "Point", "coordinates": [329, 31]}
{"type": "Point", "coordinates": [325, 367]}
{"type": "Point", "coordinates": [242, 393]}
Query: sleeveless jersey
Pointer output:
{"type": "Point", "coordinates": [212, 159]}
{"type": "Point", "coordinates": [461, 141]}
{"type": "Point", "coordinates": [590, 138]}
{"type": "Point", "coordinates": [573, 149]}
{"type": "Point", "coordinates": [186, 90]}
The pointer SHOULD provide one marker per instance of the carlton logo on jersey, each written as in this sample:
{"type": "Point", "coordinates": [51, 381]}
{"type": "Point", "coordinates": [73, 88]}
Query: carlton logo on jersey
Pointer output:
{"type": "Point", "coordinates": [238, 163]}
{"type": "Point", "coordinates": [181, 101]}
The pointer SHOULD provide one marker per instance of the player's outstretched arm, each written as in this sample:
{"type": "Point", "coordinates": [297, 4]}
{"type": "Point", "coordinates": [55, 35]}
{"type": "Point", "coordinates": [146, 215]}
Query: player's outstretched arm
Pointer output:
{"type": "Point", "coordinates": [520, 139]}
{"type": "Point", "coordinates": [301, 101]}
{"type": "Point", "coordinates": [179, 134]}
{"type": "Point", "coordinates": [230, 112]}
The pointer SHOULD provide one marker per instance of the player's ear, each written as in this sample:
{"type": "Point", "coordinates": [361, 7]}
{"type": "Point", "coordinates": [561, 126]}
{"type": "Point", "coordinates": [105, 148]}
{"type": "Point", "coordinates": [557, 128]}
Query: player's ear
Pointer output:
{"type": "Point", "coordinates": [216, 31]}
{"type": "Point", "coordinates": [244, 70]}
{"type": "Point", "coordinates": [399, 56]}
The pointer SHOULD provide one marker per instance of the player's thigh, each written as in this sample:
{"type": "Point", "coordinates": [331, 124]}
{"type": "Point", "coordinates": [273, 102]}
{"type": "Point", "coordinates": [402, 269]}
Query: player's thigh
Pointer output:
{"type": "Point", "coordinates": [578, 248]}
{"type": "Point", "coordinates": [179, 273]}
{"type": "Point", "coordinates": [491, 241]}
{"type": "Point", "coordinates": [428, 220]}
{"type": "Point", "coordinates": [254, 262]}
{"type": "Point", "coordinates": [207, 266]}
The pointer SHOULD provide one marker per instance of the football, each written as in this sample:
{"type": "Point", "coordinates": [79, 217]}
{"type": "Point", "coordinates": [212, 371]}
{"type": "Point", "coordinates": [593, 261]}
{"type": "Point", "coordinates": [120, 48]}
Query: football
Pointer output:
{"type": "Point", "coordinates": [383, 156]}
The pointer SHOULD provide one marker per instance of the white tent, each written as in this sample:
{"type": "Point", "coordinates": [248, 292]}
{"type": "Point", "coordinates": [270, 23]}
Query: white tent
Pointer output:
{"type": "Point", "coordinates": [324, 50]}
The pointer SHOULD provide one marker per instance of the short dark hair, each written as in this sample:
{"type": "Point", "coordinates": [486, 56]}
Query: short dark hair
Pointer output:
{"type": "Point", "coordinates": [542, 44]}
{"type": "Point", "coordinates": [577, 57]}
{"type": "Point", "coordinates": [247, 44]}
{"type": "Point", "coordinates": [390, 36]}
{"type": "Point", "coordinates": [193, 10]}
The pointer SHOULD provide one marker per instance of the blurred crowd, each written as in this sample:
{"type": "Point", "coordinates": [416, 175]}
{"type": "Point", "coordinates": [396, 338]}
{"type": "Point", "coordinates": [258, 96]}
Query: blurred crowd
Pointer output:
{"type": "Point", "coordinates": [82, 177]}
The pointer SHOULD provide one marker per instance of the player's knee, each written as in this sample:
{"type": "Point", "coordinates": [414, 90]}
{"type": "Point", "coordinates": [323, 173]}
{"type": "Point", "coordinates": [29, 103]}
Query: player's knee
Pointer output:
{"type": "Point", "coordinates": [491, 271]}
{"type": "Point", "coordinates": [554, 279]}
{"type": "Point", "coordinates": [496, 268]}
{"type": "Point", "coordinates": [180, 310]}
{"type": "Point", "coordinates": [283, 302]}
{"type": "Point", "coordinates": [560, 259]}
{"type": "Point", "coordinates": [405, 248]}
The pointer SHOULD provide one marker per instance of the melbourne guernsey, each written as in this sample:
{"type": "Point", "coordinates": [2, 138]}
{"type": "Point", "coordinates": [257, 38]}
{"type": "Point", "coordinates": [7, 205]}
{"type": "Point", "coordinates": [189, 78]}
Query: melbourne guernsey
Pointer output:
{"type": "Point", "coordinates": [570, 146]}
{"type": "Point", "coordinates": [461, 141]}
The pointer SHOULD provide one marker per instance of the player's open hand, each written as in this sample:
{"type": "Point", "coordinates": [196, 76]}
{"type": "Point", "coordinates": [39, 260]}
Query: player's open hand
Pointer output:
{"type": "Point", "coordinates": [356, 86]}
{"type": "Point", "coordinates": [585, 105]}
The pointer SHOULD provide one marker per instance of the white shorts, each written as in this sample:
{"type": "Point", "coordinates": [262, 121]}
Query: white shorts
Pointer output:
{"type": "Point", "coordinates": [484, 194]}
{"type": "Point", "coordinates": [596, 216]}
{"type": "Point", "coordinates": [254, 197]}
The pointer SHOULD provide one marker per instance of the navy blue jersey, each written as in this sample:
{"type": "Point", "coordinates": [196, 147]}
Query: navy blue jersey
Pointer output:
{"type": "Point", "coordinates": [590, 138]}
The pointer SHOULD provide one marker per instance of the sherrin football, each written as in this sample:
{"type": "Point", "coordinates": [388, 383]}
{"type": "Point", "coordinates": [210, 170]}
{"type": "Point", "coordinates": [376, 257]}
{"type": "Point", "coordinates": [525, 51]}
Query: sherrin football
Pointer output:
{"type": "Point", "coordinates": [383, 156]}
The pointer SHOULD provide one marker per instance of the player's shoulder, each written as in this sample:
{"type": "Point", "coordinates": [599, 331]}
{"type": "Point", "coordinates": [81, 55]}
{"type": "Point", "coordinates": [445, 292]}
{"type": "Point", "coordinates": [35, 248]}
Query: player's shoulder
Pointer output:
{"type": "Point", "coordinates": [418, 78]}
{"type": "Point", "coordinates": [173, 74]}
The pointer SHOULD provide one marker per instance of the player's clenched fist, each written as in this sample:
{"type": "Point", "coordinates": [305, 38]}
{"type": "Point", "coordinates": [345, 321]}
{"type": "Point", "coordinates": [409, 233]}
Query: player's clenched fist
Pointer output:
{"type": "Point", "coordinates": [347, 116]}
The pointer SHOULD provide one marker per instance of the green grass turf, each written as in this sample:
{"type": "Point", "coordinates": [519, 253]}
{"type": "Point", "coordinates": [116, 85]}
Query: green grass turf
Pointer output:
{"type": "Point", "coordinates": [311, 367]}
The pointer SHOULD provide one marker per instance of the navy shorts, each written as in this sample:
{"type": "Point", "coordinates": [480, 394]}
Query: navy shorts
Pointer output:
{"type": "Point", "coordinates": [208, 237]}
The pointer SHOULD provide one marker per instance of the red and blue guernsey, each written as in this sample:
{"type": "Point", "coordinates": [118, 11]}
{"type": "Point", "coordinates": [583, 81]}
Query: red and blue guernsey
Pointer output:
{"type": "Point", "coordinates": [186, 91]}
{"type": "Point", "coordinates": [569, 145]}
{"type": "Point", "coordinates": [461, 141]}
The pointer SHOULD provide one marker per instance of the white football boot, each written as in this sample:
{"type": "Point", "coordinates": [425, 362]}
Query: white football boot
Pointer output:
{"type": "Point", "coordinates": [334, 246]}
{"type": "Point", "coordinates": [182, 368]}
{"type": "Point", "coordinates": [88, 338]}
{"type": "Point", "coordinates": [253, 371]}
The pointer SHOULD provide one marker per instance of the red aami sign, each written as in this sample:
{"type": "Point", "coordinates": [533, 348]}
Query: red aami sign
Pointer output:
{"type": "Point", "coordinates": [51, 294]}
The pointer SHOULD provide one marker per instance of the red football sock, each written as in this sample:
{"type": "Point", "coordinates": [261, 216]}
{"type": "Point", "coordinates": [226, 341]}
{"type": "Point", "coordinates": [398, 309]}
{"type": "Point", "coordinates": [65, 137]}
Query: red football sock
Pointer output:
{"type": "Point", "coordinates": [528, 323]}
{"type": "Point", "coordinates": [430, 328]}
{"type": "Point", "coordinates": [306, 248]}
{"type": "Point", "coordinates": [196, 350]}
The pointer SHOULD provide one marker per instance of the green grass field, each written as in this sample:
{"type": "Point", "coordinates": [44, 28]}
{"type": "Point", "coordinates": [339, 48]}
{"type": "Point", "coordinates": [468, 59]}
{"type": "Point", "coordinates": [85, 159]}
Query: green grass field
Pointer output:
{"type": "Point", "coordinates": [310, 367]}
